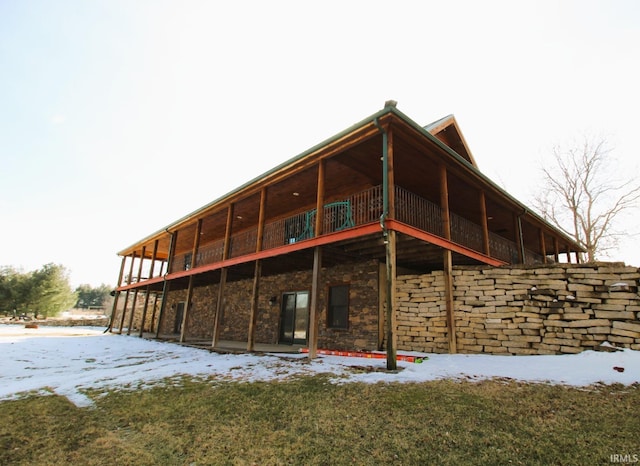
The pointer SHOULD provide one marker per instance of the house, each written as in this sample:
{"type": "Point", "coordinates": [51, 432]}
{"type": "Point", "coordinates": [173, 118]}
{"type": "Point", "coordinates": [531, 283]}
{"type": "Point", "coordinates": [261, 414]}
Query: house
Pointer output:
{"type": "Point", "coordinates": [308, 253]}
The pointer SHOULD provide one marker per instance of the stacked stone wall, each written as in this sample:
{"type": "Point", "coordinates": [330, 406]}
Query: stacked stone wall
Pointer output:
{"type": "Point", "coordinates": [565, 308]}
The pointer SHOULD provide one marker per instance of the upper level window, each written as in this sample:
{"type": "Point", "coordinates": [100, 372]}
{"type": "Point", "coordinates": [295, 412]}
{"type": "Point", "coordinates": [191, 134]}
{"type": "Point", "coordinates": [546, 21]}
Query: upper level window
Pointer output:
{"type": "Point", "coordinates": [338, 309]}
{"type": "Point", "coordinates": [187, 261]}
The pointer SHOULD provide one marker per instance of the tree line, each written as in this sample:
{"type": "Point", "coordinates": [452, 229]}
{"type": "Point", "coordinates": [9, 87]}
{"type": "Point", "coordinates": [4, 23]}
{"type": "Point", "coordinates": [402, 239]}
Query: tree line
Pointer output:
{"type": "Point", "coordinates": [45, 292]}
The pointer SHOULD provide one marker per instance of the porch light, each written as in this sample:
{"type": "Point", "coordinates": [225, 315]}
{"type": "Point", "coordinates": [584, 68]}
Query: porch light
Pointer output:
{"type": "Point", "coordinates": [273, 300]}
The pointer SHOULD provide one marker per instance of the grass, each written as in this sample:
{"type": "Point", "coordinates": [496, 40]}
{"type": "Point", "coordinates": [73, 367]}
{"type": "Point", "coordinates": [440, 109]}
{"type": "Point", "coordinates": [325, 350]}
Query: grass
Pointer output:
{"type": "Point", "coordinates": [309, 421]}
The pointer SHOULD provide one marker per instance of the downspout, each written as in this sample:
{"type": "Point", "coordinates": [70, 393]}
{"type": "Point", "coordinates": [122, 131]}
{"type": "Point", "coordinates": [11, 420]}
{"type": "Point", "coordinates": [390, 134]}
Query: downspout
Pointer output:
{"type": "Point", "coordinates": [391, 351]}
{"type": "Point", "coordinates": [164, 280]}
{"type": "Point", "coordinates": [385, 180]}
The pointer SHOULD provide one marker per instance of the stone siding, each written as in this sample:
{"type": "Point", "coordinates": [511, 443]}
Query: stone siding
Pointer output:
{"type": "Point", "coordinates": [522, 310]}
{"type": "Point", "coordinates": [362, 332]}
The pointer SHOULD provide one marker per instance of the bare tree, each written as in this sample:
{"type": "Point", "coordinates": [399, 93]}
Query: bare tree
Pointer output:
{"type": "Point", "coordinates": [584, 193]}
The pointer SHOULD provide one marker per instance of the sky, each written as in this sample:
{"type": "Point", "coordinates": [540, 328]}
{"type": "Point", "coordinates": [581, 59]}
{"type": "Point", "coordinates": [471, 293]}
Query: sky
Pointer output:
{"type": "Point", "coordinates": [119, 117]}
{"type": "Point", "coordinates": [68, 361]}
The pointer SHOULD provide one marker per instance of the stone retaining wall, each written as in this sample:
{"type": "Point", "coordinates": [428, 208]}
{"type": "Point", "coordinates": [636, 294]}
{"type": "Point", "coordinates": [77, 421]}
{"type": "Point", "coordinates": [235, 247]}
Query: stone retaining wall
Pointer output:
{"type": "Point", "coordinates": [565, 308]}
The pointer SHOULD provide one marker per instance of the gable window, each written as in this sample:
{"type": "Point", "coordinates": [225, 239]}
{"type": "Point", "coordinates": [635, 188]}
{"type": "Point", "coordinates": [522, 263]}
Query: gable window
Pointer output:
{"type": "Point", "coordinates": [338, 311]}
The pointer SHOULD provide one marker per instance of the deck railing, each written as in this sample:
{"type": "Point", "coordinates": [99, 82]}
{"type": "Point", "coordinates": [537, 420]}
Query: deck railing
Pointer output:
{"type": "Point", "coordinates": [358, 209]}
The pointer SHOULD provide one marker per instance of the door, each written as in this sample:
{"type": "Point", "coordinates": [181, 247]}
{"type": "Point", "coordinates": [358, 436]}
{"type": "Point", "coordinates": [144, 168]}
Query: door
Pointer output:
{"type": "Point", "coordinates": [177, 326]}
{"type": "Point", "coordinates": [294, 318]}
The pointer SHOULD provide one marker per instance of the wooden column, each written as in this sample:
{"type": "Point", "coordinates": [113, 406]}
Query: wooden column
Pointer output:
{"type": "Point", "coordinates": [313, 309]}
{"type": "Point", "coordinates": [124, 311]}
{"type": "Point", "coordinates": [194, 254]}
{"type": "Point", "coordinates": [568, 253]}
{"type": "Point", "coordinates": [144, 251]}
{"type": "Point", "coordinates": [114, 307]}
{"type": "Point", "coordinates": [448, 261]}
{"type": "Point", "coordinates": [223, 280]}
{"type": "Point", "coordinates": [187, 307]}
{"type": "Point", "coordinates": [126, 299]}
{"type": "Point", "coordinates": [153, 313]}
{"type": "Point", "coordinates": [166, 285]}
{"type": "Point", "coordinates": [485, 226]}
{"type": "Point", "coordinates": [133, 311]}
{"type": "Point", "coordinates": [543, 246]}
{"type": "Point", "coordinates": [317, 265]}
{"type": "Point", "coordinates": [556, 250]}
{"type": "Point", "coordinates": [391, 301]}
{"type": "Point", "coordinates": [255, 295]}
{"type": "Point", "coordinates": [154, 256]}
{"type": "Point", "coordinates": [218, 317]}
{"type": "Point", "coordinates": [144, 310]}
{"type": "Point", "coordinates": [261, 214]}
{"type": "Point", "coordinates": [254, 305]}
{"type": "Point", "coordinates": [135, 294]}
{"type": "Point", "coordinates": [382, 299]}
{"type": "Point", "coordinates": [390, 176]}
{"type": "Point", "coordinates": [320, 200]}
{"type": "Point", "coordinates": [448, 289]}
{"type": "Point", "coordinates": [517, 225]}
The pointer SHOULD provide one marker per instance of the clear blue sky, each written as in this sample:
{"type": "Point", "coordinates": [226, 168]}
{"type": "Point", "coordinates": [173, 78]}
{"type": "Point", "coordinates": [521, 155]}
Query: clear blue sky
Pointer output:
{"type": "Point", "coordinates": [118, 117]}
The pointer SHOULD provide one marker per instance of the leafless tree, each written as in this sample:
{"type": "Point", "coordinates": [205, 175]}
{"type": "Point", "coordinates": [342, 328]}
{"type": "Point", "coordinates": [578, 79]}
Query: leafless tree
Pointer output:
{"type": "Point", "coordinates": [585, 193]}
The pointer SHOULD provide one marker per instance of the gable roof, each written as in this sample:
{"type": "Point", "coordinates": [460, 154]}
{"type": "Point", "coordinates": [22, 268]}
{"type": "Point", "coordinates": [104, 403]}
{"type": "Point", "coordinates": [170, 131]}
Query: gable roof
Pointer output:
{"type": "Point", "coordinates": [446, 129]}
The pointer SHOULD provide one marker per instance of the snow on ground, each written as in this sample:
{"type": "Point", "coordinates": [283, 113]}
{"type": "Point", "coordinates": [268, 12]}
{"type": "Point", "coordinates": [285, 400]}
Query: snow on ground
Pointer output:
{"type": "Point", "coordinates": [70, 360]}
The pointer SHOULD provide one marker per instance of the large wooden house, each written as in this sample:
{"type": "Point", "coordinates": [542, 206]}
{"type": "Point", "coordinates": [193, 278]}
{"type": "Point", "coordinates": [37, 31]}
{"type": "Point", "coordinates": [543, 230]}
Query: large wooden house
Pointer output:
{"type": "Point", "coordinates": [308, 253]}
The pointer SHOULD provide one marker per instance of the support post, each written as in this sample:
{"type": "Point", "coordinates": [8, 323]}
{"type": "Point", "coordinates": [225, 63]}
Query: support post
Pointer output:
{"type": "Point", "coordinates": [135, 293]}
{"type": "Point", "coordinates": [126, 299]}
{"type": "Point", "coordinates": [382, 299]}
{"type": "Point", "coordinates": [254, 306]}
{"type": "Point", "coordinates": [153, 313]}
{"type": "Point", "coordinates": [144, 310]}
{"type": "Point", "coordinates": [114, 307]}
{"type": "Point", "coordinates": [520, 238]}
{"type": "Point", "coordinates": [220, 302]}
{"type": "Point", "coordinates": [313, 309]}
{"type": "Point", "coordinates": [448, 287]}
{"type": "Point", "coordinates": [391, 301]}
{"type": "Point", "coordinates": [124, 311]}
{"type": "Point", "coordinates": [543, 246]}
{"type": "Point", "coordinates": [485, 226]}
{"type": "Point", "coordinates": [192, 264]}
{"type": "Point", "coordinates": [154, 256]}
{"type": "Point", "coordinates": [317, 228]}
{"type": "Point", "coordinates": [448, 261]}
{"type": "Point", "coordinates": [187, 307]}
{"type": "Point", "coordinates": [166, 285]}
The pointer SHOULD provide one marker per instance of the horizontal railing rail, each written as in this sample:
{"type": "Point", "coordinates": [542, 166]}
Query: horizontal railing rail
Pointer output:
{"type": "Point", "coordinates": [357, 209]}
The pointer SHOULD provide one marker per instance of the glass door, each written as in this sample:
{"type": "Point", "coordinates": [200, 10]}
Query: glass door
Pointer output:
{"type": "Point", "coordinates": [294, 318]}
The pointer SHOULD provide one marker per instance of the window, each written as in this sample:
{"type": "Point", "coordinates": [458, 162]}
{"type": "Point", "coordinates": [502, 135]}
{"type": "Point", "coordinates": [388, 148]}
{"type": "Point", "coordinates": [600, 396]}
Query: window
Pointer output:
{"type": "Point", "coordinates": [187, 261]}
{"type": "Point", "coordinates": [338, 313]}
